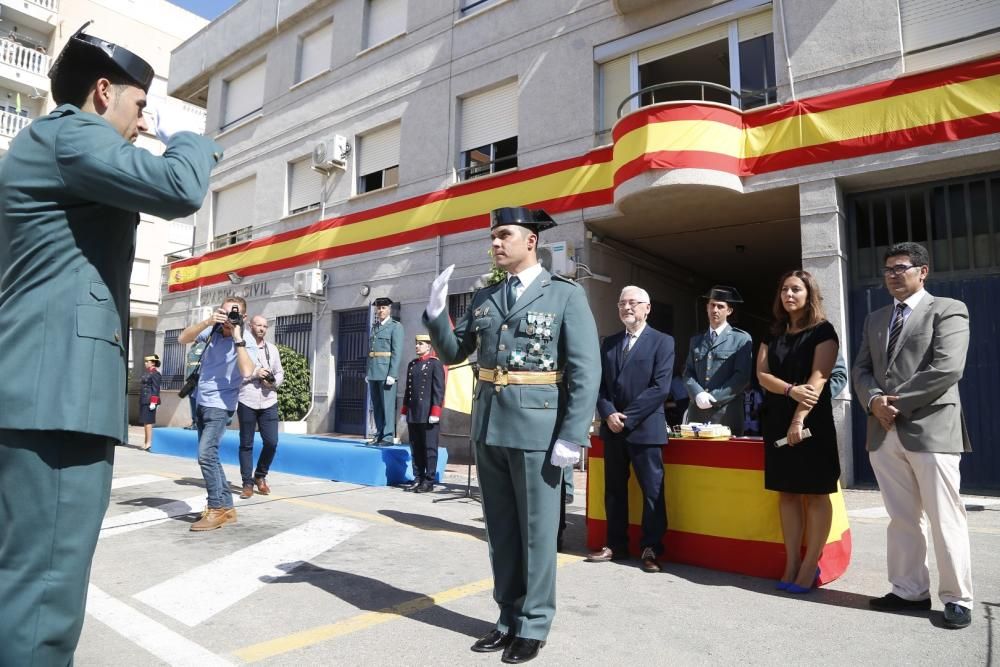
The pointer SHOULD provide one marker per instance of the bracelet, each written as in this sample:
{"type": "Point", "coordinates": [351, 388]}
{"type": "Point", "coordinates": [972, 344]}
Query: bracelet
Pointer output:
{"type": "Point", "coordinates": [788, 389]}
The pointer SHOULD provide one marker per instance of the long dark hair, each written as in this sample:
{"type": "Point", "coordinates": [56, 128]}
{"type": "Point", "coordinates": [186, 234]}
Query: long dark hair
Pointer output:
{"type": "Point", "coordinates": [814, 304]}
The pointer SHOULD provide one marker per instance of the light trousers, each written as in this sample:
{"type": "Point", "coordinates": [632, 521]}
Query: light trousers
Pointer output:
{"type": "Point", "coordinates": [915, 484]}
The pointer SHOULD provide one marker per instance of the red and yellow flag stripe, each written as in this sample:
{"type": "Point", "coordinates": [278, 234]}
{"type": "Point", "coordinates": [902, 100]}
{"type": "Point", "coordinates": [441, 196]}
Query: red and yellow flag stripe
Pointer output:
{"type": "Point", "coordinates": [719, 514]}
{"type": "Point", "coordinates": [945, 105]}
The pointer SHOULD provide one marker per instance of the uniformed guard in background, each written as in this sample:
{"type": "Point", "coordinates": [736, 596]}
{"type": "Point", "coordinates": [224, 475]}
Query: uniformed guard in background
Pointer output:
{"type": "Point", "coordinates": [719, 364]}
{"type": "Point", "coordinates": [422, 403]}
{"type": "Point", "coordinates": [385, 348]}
{"type": "Point", "coordinates": [539, 371]}
{"type": "Point", "coordinates": [149, 397]}
{"type": "Point", "coordinates": [71, 189]}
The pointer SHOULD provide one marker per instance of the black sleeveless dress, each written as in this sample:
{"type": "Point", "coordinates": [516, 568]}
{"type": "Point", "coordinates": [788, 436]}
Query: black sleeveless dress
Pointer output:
{"type": "Point", "coordinates": [813, 465]}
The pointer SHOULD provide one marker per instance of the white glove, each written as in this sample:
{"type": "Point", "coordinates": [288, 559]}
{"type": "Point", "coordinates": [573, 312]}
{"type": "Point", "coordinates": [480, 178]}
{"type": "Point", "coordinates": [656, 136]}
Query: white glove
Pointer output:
{"type": "Point", "coordinates": [167, 123]}
{"type": "Point", "coordinates": [439, 294]}
{"type": "Point", "coordinates": [152, 406]}
{"type": "Point", "coordinates": [433, 420]}
{"type": "Point", "coordinates": [564, 454]}
{"type": "Point", "coordinates": [390, 380]}
{"type": "Point", "coordinates": [704, 400]}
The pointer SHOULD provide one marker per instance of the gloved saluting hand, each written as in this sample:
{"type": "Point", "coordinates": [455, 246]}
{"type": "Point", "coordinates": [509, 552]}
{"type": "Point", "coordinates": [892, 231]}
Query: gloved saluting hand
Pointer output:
{"type": "Point", "coordinates": [439, 293]}
{"type": "Point", "coordinates": [167, 123]}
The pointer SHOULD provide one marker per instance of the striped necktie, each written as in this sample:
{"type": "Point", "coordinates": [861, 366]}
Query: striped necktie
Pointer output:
{"type": "Point", "coordinates": [894, 330]}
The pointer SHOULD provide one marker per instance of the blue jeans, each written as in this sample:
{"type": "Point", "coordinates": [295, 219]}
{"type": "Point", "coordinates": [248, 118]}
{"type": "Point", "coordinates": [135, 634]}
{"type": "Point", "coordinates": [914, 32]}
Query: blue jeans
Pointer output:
{"type": "Point", "coordinates": [250, 419]}
{"type": "Point", "coordinates": [212, 424]}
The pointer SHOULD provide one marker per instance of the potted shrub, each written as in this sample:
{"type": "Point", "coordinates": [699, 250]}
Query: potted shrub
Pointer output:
{"type": "Point", "coordinates": [295, 393]}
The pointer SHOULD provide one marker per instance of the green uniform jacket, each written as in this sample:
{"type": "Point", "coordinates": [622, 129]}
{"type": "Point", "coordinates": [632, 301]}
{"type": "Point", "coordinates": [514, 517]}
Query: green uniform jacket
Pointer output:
{"type": "Point", "coordinates": [529, 417]}
{"type": "Point", "coordinates": [723, 370]}
{"type": "Point", "coordinates": [70, 191]}
{"type": "Point", "coordinates": [388, 338]}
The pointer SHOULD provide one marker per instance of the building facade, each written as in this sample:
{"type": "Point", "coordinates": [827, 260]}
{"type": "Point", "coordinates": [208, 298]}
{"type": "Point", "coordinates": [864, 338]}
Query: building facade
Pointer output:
{"type": "Point", "coordinates": [678, 144]}
{"type": "Point", "coordinates": [32, 33]}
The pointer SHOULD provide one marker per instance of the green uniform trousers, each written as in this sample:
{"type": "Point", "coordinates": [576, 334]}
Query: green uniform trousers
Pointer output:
{"type": "Point", "coordinates": [54, 491]}
{"type": "Point", "coordinates": [521, 497]}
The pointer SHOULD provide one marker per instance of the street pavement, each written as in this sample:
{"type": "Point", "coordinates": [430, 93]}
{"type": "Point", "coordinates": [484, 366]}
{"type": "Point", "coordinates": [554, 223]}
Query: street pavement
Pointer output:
{"type": "Point", "coordinates": [329, 573]}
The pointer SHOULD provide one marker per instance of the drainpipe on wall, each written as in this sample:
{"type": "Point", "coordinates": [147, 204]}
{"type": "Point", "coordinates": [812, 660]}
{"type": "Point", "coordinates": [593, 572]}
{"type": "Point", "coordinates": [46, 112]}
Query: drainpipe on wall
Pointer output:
{"type": "Point", "coordinates": [784, 40]}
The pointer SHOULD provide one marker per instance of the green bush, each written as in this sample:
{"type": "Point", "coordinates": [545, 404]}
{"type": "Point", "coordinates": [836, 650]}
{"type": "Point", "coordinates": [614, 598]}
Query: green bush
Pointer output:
{"type": "Point", "coordinates": [295, 393]}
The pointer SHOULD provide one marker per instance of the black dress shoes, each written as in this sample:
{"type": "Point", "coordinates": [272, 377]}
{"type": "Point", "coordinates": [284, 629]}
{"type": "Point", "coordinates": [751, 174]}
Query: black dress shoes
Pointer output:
{"type": "Point", "coordinates": [521, 650]}
{"type": "Point", "coordinates": [410, 486]}
{"type": "Point", "coordinates": [956, 616]}
{"type": "Point", "coordinates": [892, 602]}
{"type": "Point", "coordinates": [494, 640]}
{"type": "Point", "coordinates": [425, 486]}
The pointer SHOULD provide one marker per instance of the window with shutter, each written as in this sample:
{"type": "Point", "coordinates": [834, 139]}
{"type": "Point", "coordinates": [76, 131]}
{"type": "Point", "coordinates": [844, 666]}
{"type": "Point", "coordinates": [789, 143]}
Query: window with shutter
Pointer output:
{"type": "Point", "coordinates": [230, 207]}
{"type": "Point", "coordinates": [305, 186]}
{"type": "Point", "coordinates": [386, 19]}
{"type": "Point", "coordinates": [315, 51]}
{"type": "Point", "coordinates": [488, 132]}
{"type": "Point", "coordinates": [244, 94]}
{"type": "Point", "coordinates": [378, 158]}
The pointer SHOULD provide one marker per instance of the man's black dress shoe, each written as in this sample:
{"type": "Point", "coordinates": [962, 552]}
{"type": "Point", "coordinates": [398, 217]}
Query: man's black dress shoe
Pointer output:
{"type": "Point", "coordinates": [892, 602]}
{"type": "Point", "coordinates": [956, 616]}
{"type": "Point", "coordinates": [494, 640]}
{"type": "Point", "coordinates": [521, 650]}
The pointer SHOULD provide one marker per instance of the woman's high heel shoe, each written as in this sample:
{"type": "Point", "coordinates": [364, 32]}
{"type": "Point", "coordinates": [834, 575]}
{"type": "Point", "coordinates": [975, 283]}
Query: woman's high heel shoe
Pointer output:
{"type": "Point", "coordinates": [801, 590]}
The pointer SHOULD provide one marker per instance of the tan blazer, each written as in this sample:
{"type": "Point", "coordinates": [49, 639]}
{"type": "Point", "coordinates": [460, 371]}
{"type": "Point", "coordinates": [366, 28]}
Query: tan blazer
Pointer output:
{"type": "Point", "coordinates": [924, 371]}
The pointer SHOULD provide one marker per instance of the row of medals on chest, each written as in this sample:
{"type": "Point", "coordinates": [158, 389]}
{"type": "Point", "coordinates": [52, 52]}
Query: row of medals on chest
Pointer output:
{"type": "Point", "coordinates": [539, 329]}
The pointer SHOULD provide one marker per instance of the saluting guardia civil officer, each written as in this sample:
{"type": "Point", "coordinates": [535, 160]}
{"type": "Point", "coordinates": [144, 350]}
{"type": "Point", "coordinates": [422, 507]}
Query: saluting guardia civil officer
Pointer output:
{"type": "Point", "coordinates": [539, 371]}
{"type": "Point", "coordinates": [71, 189]}
{"type": "Point", "coordinates": [385, 349]}
{"type": "Point", "coordinates": [719, 364]}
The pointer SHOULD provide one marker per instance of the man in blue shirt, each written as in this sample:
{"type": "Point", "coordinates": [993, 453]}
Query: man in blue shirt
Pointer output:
{"type": "Point", "coordinates": [226, 362]}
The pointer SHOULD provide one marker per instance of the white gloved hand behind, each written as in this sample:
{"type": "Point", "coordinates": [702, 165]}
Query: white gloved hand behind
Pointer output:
{"type": "Point", "coordinates": [390, 381]}
{"type": "Point", "coordinates": [152, 406]}
{"type": "Point", "coordinates": [439, 294]}
{"type": "Point", "coordinates": [167, 123]}
{"type": "Point", "coordinates": [433, 420]}
{"type": "Point", "coordinates": [704, 400]}
{"type": "Point", "coordinates": [564, 454]}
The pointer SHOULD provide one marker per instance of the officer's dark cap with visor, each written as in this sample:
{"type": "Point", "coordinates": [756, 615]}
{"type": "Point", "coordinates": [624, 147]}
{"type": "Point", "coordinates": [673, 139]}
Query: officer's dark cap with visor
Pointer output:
{"type": "Point", "coordinates": [89, 52]}
{"type": "Point", "coordinates": [536, 220]}
{"type": "Point", "coordinates": [723, 293]}
{"type": "Point", "coordinates": [383, 301]}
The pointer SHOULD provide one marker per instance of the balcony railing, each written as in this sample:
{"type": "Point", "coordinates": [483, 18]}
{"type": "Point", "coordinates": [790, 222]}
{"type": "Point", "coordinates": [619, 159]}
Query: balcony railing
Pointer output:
{"type": "Point", "coordinates": [744, 99]}
{"type": "Point", "coordinates": [21, 57]}
{"type": "Point", "coordinates": [51, 5]}
{"type": "Point", "coordinates": [11, 123]}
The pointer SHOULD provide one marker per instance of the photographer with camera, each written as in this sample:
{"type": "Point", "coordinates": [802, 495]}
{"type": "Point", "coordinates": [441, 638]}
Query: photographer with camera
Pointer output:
{"type": "Point", "coordinates": [226, 361]}
{"type": "Point", "coordinates": [258, 408]}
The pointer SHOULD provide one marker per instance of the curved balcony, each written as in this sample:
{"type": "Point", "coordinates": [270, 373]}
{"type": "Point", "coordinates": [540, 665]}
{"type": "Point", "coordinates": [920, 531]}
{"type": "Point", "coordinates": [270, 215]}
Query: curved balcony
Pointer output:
{"type": "Point", "coordinates": [666, 154]}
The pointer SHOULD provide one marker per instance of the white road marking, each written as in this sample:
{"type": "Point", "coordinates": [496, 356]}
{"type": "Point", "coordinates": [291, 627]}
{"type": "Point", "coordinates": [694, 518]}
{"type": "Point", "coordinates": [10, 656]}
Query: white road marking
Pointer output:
{"type": "Point", "coordinates": [149, 635]}
{"type": "Point", "coordinates": [135, 480]}
{"type": "Point", "coordinates": [151, 516]}
{"type": "Point", "coordinates": [881, 513]}
{"type": "Point", "coordinates": [204, 591]}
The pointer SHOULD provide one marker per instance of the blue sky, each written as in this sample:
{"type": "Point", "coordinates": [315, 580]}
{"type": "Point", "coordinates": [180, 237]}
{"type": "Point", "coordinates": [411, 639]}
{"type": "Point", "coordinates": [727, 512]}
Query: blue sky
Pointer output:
{"type": "Point", "coordinates": [209, 9]}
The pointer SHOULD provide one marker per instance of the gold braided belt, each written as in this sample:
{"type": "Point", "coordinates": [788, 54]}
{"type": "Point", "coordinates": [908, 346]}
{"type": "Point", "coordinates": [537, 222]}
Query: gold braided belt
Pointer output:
{"type": "Point", "coordinates": [380, 354]}
{"type": "Point", "coordinates": [501, 377]}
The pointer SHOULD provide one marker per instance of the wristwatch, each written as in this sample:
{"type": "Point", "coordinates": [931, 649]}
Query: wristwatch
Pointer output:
{"type": "Point", "coordinates": [242, 343]}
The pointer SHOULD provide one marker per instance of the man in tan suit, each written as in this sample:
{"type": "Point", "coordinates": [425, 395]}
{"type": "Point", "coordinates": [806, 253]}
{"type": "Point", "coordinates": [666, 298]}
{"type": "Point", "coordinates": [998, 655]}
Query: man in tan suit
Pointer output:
{"type": "Point", "coordinates": [911, 358]}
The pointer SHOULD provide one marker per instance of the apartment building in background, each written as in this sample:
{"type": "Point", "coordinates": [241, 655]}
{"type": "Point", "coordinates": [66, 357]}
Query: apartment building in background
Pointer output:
{"type": "Point", "coordinates": [678, 145]}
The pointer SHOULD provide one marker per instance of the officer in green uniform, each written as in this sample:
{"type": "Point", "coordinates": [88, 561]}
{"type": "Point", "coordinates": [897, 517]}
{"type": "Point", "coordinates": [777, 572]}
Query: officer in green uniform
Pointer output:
{"type": "Point", "coordinates": [539, 371]}
{"type": "Point", "coordinates": [71, 189]}
{"type": "Point", "coordinates": [385, 349]}
{"type": "Point", "coordinates": [719, 364]}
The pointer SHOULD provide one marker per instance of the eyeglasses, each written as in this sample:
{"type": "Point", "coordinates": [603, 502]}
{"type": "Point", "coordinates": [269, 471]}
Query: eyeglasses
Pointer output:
{"type": "Point", "coordinates": [630, 304]}
{"type": "Point", "coordinates": [897, 270]}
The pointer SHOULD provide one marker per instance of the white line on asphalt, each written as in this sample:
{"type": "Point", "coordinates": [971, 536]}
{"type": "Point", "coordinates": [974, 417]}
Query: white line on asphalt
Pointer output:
{"type": "Point", "coordinates": [135, 480]}
{"type": "Point", "coordinates": [151, 516]}
{"type": "Point", "coordinates": [146, 633]}
{"type": "Point", "coordinates": [880, 512]}
{"type": "Point", "coordinates": [204, 591]}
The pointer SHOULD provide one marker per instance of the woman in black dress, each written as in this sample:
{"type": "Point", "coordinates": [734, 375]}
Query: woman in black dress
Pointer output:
{"type": "Point", "coordinates": [793, 367]}
{"type": "Point", "coordinates": [149, 397]}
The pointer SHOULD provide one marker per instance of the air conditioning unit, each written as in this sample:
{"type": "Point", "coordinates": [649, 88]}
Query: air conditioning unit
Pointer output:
{"type": "Point", "coordinates": [309, 282]}
{"type": "Point", "coordinates": [557, 258]}
{"type": "Point", "coordinates": [331, 154]}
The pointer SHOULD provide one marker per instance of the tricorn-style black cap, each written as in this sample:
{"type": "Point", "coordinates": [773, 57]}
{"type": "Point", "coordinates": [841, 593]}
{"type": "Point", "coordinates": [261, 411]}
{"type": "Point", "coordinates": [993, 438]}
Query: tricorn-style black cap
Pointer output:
{"type": "Point", "coordinates": [383, 301]}
{"type": "Point", "coordinates": [724, 293]}
{"type": "Point", "coordinates": [100, 52]}
{"type": "Point", "coordinates": [536, 220]}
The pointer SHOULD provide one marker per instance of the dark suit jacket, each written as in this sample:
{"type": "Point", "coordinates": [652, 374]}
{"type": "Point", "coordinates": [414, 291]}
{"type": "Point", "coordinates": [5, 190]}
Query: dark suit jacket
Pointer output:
{"type": "Point", "coordinates": [424, 393]}
{"type": "Point", "coordinates": [637, 386]}
{"type": "Point", "coordinates": [926, 365]}
{"type": "Point", "coordinates": [70, 191]}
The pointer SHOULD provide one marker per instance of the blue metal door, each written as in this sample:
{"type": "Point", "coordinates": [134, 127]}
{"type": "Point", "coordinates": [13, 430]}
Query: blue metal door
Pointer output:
{"type": "Point", "coordinates": [350, 409]}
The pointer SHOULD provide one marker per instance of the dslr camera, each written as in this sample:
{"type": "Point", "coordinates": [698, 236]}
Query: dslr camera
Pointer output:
{"type": "Point", "coordinates": [235, 318]}
{"type": "Point", "coordinates": [268, 377]}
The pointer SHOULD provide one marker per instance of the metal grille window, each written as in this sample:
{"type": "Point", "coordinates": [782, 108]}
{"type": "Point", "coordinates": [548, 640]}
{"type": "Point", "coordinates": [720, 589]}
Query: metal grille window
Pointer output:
{"type": "Point", "coordinates": [172, 376]}
{"type": "Point", "coordinates": [458, 304]}
{"type": "Point", "coordinates": [956, 220]}
{"type": "Point", "coordinates": [295, 331]}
